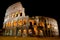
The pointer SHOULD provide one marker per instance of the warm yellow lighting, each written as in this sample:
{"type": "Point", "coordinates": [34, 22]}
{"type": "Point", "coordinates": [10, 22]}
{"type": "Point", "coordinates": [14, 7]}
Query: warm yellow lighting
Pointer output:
{"type": "Point", "coordinates": [42, 24]}
{"type": "Point", "coordinates": [20, 22]}
{"type": "Point", "coordinates": [15, 23]}
{"type": "Point", "coordinates": [17, 12]}
{"type": "Point", "coordinates": [48, 26]}
{"type": "Point", "coordinates": [11, 24]}
{"type": "Point", "coordinates": [41, 31]}
{"type": "Point", "coordinates": [24, 31]}
{"type": "Point", "coordinates": [24, 21]}
{"type": "Point", "coordinates": [32, 21]}
{"type": "Point", "coordinates": [35, 28]}
{"type": "Point", "coordinates": [8, 24]}
{"type": "Point", "coordinates": [13, 15]}
{"type": "Point", "coordinates": [19, 30]}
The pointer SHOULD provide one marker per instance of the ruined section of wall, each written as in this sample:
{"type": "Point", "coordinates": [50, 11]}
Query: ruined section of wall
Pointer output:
{"type": "Point", "coordinates": [54, 25]}
{"type": "Point", "coordinates": [13, 11]}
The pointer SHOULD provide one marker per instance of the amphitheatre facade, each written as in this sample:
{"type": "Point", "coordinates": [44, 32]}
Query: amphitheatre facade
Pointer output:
{"type": "Point", "coordinates": [16, 23]}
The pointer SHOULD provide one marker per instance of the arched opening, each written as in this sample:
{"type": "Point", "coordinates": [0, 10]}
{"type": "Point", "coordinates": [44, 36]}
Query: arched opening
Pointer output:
{"type": "Point", "coordinates": [20, 14]}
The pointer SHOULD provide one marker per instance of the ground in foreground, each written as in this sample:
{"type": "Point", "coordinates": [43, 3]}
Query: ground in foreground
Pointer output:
{"type": "Point", "coordinates": [28, 38]}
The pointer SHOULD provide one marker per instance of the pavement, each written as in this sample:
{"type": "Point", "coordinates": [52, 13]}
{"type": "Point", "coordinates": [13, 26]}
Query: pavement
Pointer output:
{"type": "Point", "coordinates": [28, 38]}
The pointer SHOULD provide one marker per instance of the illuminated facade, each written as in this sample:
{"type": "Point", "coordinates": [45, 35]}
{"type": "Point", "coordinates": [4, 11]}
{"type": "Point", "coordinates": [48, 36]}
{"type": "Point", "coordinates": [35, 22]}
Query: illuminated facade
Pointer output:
{"type": "Point", "coordinates": [16, 23]}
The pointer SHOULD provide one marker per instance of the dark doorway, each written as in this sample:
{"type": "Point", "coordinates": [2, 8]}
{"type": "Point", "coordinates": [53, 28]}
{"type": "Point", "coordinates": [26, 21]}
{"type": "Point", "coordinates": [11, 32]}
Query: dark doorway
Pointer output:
{"type": "Point", "coordinates": [20, 14]}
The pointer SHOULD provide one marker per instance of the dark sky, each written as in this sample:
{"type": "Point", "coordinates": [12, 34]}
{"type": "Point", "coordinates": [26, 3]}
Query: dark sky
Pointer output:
{"type": "Point", "coordinates": [33, 8]}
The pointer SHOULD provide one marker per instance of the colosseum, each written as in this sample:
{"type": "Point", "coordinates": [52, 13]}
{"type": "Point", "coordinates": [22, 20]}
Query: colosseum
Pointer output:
{"type": "Point", "coordinates": [16, 23]}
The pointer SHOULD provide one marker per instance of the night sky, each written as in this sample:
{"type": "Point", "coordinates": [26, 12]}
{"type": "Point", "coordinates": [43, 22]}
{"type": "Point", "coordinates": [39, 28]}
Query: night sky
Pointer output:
{"type": "Point", "coordinates": [32, 8]}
